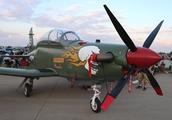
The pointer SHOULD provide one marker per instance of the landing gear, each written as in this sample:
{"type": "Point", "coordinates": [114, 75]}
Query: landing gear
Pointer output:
{"type": "Point", "coordinates": [95, 100]}
{"type": "Point", "coordinates": [28, 88]}
{"type": "Point", "coordinates": [95, 106]}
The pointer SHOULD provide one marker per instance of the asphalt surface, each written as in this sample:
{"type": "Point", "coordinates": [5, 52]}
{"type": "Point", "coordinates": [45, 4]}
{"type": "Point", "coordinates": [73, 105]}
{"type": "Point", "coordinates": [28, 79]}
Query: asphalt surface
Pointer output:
{"type": "Point", "coordinates": [53, 99]}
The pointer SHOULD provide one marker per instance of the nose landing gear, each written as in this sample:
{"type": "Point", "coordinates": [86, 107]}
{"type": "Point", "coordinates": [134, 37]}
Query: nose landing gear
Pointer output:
{"type": "Point", "coordinates": [95, 102]}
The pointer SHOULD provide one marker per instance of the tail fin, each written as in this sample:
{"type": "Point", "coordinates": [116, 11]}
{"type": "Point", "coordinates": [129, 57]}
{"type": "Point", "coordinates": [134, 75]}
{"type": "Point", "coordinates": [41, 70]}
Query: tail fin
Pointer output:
{"type": "Point", "coordinates": [31, 45]}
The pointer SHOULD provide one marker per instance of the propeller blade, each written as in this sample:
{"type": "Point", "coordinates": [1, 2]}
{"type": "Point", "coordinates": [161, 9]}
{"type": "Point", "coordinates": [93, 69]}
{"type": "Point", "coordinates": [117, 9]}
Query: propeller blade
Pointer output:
{"type": "Point", "coordinates": [117, 89]}
{"type": "Point", "coordinates": [151, 37]}
{"type": "Point", "coordinates": [122, 33]}
{"type": "Point", "coordinates": [154, 83]}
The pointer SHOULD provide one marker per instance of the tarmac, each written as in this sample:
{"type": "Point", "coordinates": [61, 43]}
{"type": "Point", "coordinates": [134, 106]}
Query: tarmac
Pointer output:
{"type": "Point", "coordinates": [53, 99]}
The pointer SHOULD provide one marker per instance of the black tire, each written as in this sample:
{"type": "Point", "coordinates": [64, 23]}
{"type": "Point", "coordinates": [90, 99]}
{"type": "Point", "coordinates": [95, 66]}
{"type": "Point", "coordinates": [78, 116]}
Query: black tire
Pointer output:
{"type": "Point", "coordinates": [96, 108]}
{"type": "Point", "coordinates": [27, 90]}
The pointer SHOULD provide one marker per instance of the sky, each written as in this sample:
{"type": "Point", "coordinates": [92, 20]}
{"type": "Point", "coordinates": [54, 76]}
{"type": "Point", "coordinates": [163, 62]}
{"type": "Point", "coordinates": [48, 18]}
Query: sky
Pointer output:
{"type": "Point", "coordinates": [88, 19]}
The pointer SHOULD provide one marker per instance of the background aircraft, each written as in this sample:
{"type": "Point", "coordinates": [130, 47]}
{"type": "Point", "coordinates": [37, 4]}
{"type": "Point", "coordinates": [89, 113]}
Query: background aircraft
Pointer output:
{"type": "Point", "coordinates": [63, 53]}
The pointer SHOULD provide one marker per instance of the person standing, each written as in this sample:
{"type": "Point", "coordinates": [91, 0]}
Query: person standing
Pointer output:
{"type": "Point", "coordinates": [156, 69]}
{"type": "Point", "coordinates": [142, 76]}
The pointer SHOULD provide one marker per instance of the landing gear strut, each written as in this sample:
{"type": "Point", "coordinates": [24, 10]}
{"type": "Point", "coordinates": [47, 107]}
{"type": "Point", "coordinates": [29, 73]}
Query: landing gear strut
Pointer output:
{"type": "Point", "coordinates": [95, 100]}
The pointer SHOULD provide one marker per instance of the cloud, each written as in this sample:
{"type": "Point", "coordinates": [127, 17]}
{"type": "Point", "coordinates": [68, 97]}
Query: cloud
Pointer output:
{"type": "Point", "coordinates": [90, 25]}
{"type": "Point", "coordinates": [18, 10]}
{"type": "Point", "coordinates": [75, 7]}
{"type": "Point", "coordinates": [5, 35]}
{"type": "Point", "coordinates": [12, 39]}
{"type": "Point", "coordinates": [70, 18]}
{"type": "Point", "coordinates": [93, 23]}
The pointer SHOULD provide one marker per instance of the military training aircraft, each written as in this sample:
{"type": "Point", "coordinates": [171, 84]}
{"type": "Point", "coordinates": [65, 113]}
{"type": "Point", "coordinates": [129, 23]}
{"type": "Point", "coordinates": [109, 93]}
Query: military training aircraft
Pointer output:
{"type": "Point", "coordinates": [64, 54]}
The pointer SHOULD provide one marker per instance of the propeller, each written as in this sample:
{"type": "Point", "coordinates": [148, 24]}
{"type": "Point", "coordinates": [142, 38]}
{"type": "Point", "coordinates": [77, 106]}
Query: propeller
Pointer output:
{"type": "Point", "coordinates": [153, 34]}
{"type": "Point", "coordinates": [153, 82]}
{"type": "Point", "coordinates": [110, 97]}
{"type": "Point", "coordinates": [122, 33]}
{"type": "Point", "coordinates": [134, 58]}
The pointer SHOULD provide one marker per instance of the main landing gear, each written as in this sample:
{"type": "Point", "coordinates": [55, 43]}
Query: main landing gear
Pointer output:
{"type": "Point", "coordinates": [95, 100]}
{"type": "Point", "coordinates": [28, 87]}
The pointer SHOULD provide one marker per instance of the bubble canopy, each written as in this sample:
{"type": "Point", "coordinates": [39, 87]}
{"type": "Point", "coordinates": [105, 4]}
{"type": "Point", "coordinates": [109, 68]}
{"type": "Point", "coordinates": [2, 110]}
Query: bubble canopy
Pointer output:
{"type": "Point", "coordinates": [57, 36]}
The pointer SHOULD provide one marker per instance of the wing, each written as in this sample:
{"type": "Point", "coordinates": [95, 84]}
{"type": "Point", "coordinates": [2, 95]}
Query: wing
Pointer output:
{"type": "Point", "coordinates": [16, 56]}
{"type": "Point", "coordinates": [28, 72]}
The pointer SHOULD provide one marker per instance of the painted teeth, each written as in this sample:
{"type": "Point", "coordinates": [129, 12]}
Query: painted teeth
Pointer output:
{"type": "Point", "coordinates": [94, 69]}
{"type": "Point", "coordinates": [94, 63]}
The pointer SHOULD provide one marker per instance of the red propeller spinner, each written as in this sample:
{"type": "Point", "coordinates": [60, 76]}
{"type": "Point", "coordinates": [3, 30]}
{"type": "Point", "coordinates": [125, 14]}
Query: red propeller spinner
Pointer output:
{"type": "Point", "coordinates": [143, 57]}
